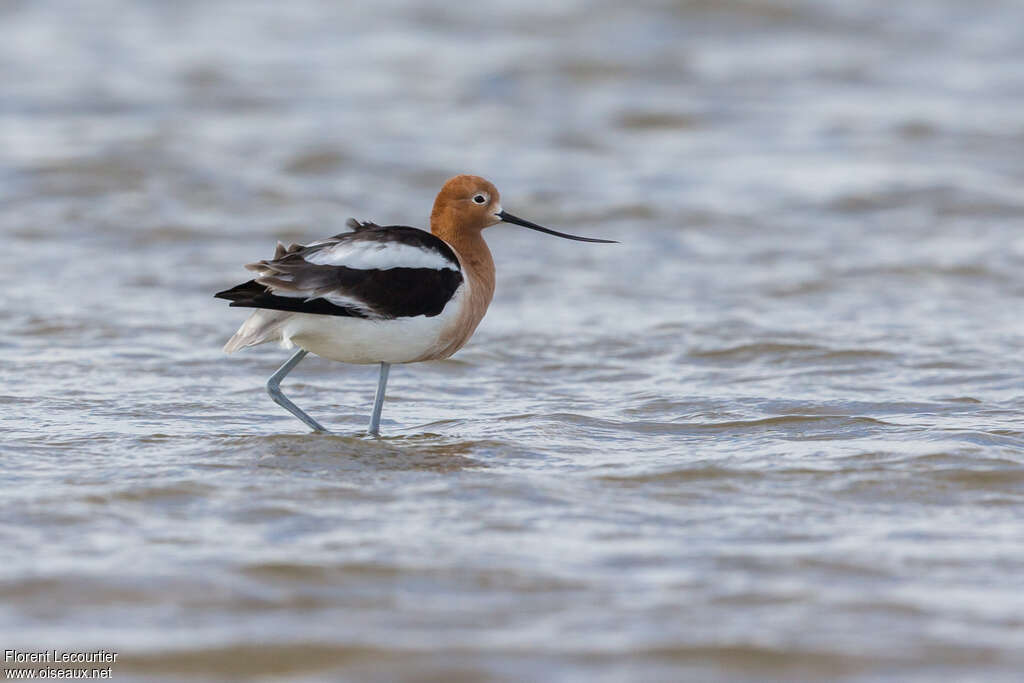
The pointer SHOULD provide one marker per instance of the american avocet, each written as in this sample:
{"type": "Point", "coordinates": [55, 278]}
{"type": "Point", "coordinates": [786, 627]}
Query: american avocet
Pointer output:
{"type": "Point", "coordinates": [379, 294]}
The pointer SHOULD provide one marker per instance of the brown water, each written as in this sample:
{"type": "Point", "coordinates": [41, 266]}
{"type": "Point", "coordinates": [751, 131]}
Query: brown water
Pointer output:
{"type": "Point", "coordinates": [776, 434]}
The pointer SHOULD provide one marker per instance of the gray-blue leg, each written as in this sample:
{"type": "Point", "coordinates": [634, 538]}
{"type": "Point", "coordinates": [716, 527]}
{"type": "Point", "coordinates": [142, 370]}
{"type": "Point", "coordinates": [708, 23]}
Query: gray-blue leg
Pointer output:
{"type": "Point", "coordinates": [378, 401]}
{"type": "Point", "coordinates": [274, 389]}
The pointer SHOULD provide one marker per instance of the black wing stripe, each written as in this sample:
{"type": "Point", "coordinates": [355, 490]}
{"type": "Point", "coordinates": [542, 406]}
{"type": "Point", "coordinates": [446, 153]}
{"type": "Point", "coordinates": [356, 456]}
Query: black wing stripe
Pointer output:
{"type": "Point", "coordinates": [254, 295]}
{"type": "Point", "coordinates": [391, 293]}
{"type": "Point", "coordinates": [402, 292]}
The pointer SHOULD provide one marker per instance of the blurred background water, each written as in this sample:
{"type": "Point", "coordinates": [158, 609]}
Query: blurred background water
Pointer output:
{"type": "Point", "coordinates": [775, 434]}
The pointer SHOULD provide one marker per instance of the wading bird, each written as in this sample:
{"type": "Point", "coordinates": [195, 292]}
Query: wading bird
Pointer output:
{"type": "Point", "coordinates": [379, 294]}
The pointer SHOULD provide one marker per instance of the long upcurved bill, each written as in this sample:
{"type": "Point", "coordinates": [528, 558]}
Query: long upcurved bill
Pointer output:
{"type": "Point", "coordinates": [509, 218]}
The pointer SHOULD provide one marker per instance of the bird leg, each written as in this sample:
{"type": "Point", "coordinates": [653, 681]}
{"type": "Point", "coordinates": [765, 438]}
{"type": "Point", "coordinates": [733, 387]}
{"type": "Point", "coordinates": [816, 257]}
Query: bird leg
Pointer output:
{"type": "Point", "coordinates": [378, 401]}
{"type": "Point", "coordinates": [274, 389]}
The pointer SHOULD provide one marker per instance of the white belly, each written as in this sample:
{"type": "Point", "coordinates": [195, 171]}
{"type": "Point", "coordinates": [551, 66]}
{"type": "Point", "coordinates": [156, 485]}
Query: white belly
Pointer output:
{"type": "Point", "coordinates": [358, 340]}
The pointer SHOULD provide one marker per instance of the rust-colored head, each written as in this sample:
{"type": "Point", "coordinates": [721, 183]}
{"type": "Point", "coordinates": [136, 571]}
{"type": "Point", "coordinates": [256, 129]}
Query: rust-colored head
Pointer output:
{"type": "Point", "coordinates": [465, 203]}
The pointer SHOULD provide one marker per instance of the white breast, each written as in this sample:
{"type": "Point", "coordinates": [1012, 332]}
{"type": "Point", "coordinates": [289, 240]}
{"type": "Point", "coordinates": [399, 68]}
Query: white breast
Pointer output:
{"type": "Point", "coordinates": [359, 340]}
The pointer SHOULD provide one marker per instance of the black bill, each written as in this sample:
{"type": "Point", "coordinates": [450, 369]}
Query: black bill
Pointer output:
{"type": "Point", "coordinates": [515, 220]}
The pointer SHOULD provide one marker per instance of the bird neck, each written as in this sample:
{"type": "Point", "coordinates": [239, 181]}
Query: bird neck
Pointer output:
{"type": "Point", "coordinates": [474, 256]}
{"type": "Point", "coordinates": [478, 269]}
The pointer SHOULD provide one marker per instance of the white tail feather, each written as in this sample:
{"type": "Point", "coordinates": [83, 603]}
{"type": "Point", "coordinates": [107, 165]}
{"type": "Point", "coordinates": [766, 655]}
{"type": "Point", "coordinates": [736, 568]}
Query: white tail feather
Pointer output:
{"type": "Point", "coordinates": [259, 328]}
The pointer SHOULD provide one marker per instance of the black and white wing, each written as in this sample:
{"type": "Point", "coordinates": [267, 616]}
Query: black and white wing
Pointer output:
{"type": "Point", "coordinates": [372, 272]}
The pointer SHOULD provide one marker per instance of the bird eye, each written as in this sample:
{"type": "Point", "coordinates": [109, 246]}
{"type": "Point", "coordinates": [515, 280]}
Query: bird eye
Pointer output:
{"type": "Point", "coordinates": [480, 199]}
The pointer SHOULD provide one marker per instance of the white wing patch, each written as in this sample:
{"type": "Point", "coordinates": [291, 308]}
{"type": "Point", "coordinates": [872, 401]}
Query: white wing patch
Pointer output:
{"type": "Point", "coordinates": [366, 255]}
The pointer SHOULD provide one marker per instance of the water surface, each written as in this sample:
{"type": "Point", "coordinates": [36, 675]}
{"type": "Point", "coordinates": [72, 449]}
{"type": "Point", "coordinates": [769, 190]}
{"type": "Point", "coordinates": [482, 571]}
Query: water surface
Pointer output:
{"type": "Point", "coordinates": [775, 434]}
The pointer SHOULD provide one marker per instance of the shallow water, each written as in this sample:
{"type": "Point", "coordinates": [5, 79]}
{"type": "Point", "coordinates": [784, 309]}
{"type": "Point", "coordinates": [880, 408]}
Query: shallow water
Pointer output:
{"type": "Point", "coordinates": [775, 434]}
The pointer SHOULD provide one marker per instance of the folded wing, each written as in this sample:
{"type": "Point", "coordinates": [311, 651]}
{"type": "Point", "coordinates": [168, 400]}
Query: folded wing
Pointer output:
{"type": "Point", "coordinates": [372, 272]}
